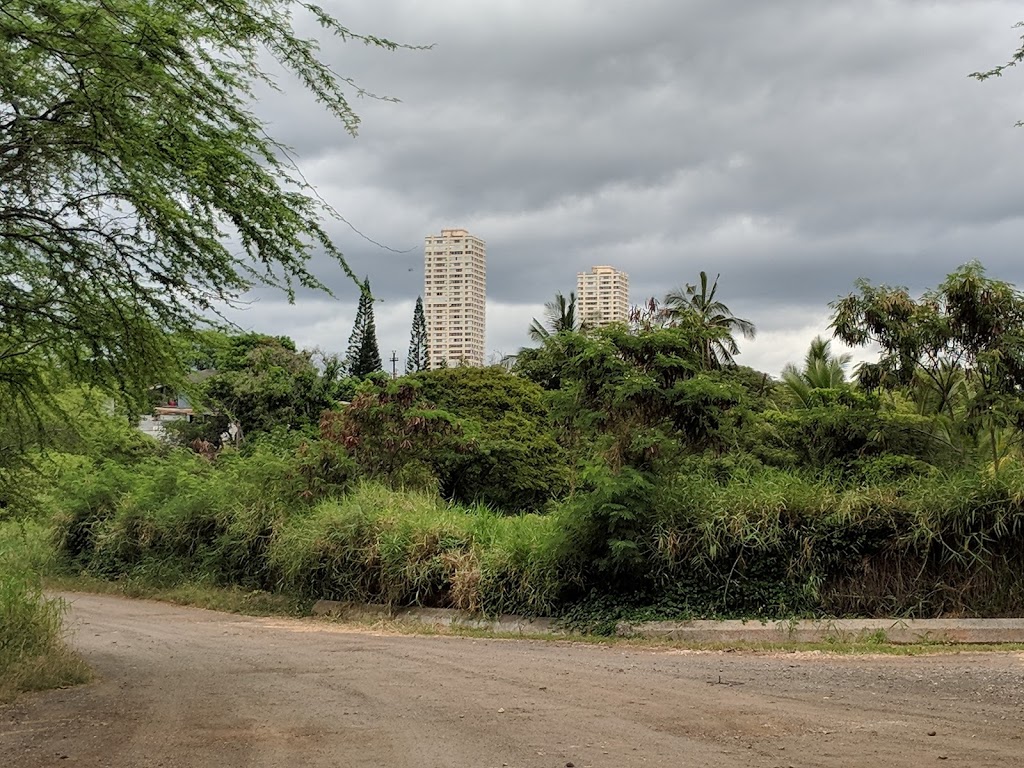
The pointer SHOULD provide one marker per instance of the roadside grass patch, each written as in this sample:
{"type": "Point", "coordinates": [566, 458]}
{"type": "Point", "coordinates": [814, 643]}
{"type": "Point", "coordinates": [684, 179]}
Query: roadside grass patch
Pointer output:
{"type": "Point", "coordinates": [33, 654]}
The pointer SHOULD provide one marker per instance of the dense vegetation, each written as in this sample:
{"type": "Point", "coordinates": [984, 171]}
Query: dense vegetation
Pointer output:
{"type": "Point", "coordinates": [626, 471]}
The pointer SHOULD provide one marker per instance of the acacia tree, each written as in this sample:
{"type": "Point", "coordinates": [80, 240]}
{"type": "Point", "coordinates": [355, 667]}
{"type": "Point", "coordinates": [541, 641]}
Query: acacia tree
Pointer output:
{"type": "Point", "coordinates": [418, 358]}
{"type": "Point", "coordinates": [1015, 58]}
{"type": "Point", "coordinates": [138, 191]}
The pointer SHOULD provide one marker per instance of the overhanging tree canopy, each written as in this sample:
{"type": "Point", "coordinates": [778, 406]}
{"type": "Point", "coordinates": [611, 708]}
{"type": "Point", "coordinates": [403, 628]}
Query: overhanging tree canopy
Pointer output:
{"type": "Point", "coordinates": [138, 191]}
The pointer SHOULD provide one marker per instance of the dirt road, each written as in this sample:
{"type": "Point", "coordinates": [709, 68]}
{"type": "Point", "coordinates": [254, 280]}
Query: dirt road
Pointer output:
{"type": "Point", "coordinates": [186, 687]}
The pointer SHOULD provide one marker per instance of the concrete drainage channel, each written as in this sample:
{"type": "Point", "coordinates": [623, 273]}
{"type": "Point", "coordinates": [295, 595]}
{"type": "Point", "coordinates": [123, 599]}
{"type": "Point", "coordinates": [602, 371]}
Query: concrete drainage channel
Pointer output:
{"type": "Point", "coordinates": [896, 631]}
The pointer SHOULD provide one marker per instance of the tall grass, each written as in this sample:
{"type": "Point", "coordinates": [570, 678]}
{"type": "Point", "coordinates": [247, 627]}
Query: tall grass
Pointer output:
{"type": "Point", "coordinates": [942, 544]}
{"type": "Point", "coordinates": [33, 654]}
{"type": "Point", "coordinates": [252, 521]}
{"type": "Point", "coordinates": [404, 548]}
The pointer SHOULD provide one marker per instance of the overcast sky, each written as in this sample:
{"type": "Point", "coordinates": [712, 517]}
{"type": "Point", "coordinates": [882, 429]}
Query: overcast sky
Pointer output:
{"type": "Point", "coordinates": [791, 146]}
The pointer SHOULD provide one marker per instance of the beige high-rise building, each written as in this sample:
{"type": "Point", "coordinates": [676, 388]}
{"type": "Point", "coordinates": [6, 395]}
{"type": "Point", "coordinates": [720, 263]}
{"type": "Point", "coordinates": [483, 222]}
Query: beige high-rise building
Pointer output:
{"type": "Point", "coordinates": [455, 297]}
{"type": "Point", "coordinates": [602, 296]}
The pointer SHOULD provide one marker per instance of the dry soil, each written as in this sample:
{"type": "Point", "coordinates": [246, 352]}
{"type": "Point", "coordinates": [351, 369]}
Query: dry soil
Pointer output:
{"type": "Point", "coordinates": [186, 687]}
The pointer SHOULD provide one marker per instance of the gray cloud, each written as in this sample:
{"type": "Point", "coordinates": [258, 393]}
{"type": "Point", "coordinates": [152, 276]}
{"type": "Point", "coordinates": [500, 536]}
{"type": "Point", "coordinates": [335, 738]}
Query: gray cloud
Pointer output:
{"type": "Point", "coordinates": [791, 146]}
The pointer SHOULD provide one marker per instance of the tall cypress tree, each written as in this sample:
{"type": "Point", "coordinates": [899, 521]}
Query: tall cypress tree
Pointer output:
{"type": "Point", "coordinates": [418, 358]}
{"type": "Point", "coordinates": [363, 357]}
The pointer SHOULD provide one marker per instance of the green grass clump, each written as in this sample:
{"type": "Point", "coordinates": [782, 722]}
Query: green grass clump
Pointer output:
{"type": "Point", "coordinates": [33, 655]}
{"type": "Point", "coordinates": [410, 548]}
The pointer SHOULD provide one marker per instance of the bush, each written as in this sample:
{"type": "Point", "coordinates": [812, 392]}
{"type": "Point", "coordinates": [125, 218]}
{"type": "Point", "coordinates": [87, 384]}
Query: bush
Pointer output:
{"type": "Point", "coordinates": [838, 435]}
{"type": "Point", "coordinates": [482, 394]}
{"type": "Point", "coordinates": [764, 542]}
{"type": "Point", "coordinates": [391, 432]}
{"type": "Point", "coordinates": [253, 520]}
{"type": "Point", "coordinates": [85, 496]}
{"type": "Point", "coordinates": [511, 464]}
{"type": "Point", "coordinates": [511, 460]}
{"type": "Point", "coordinates": [485, 442]}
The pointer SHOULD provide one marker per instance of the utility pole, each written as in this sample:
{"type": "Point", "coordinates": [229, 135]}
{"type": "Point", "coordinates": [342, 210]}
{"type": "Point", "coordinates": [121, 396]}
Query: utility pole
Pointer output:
{"type": "Point", "coordinates": [394, 364]}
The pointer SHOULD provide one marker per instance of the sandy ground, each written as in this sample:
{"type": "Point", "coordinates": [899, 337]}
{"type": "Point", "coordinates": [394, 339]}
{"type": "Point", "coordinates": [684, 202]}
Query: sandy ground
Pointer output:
{"type": "Point", "coordinates": [187, 687]}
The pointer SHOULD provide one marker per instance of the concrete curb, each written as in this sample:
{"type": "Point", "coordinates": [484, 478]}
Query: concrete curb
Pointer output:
{"type": "Point", "coordinates": [439, 617]}
{"type": "Point", "coordinates": [895, 631]}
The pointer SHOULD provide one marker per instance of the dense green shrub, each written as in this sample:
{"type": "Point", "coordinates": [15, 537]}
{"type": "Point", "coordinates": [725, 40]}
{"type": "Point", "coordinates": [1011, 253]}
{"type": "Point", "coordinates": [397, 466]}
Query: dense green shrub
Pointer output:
{"type": "Point", "coordinates": [498, 451]}
{"type": "Point", "coordinates": [252, 520]}
{"type": "Point", "coordinates": [482, 394]}
{"type": "Point", "coordinates": [84, 496]}
{"type": "Point", "coordinates": [512, 464]}
{"type": "Point", "coordinates": [510, 459]}
{"type": "Point", "coordinates": [392, 433]}
{"type": "Point", "coordinates": [769, 542]}
{"type": "Point", "coordinates": [212, 517]}
{"type": "Point", "coordinates": [839, 434]}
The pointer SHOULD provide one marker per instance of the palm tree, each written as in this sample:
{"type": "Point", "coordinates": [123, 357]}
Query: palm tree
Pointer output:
{"type": "Point", "coordinates": [712, 319]}
{"type": "Point", "coordinates": [822, 370]}
{"type": "Point", "coordinates": [560, 314]}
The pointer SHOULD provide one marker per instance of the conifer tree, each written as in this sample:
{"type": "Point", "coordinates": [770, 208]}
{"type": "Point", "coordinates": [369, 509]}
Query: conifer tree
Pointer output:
{"type": "Point", "coordinates": [363, 357]}
{"type": "Point", "coordinates": [355, 338]}
{"type": "Point", "coordinates": [418, 358]}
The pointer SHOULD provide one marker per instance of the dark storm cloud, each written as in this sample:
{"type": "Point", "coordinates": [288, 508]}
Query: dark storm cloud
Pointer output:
{"type": "Point", "coordinates": [790, 146]}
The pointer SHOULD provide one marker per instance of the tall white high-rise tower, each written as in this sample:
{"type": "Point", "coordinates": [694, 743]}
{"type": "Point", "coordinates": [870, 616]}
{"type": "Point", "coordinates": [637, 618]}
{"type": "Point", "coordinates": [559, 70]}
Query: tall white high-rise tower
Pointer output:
{"type": "Point", "coordinates": [455, 297]}
{"type": "Point", "coordinates": [602, 296]}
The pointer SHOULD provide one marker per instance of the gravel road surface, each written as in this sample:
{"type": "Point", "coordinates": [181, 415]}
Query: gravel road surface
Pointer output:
{"type": "Point", "coordinates": [187, 687]}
